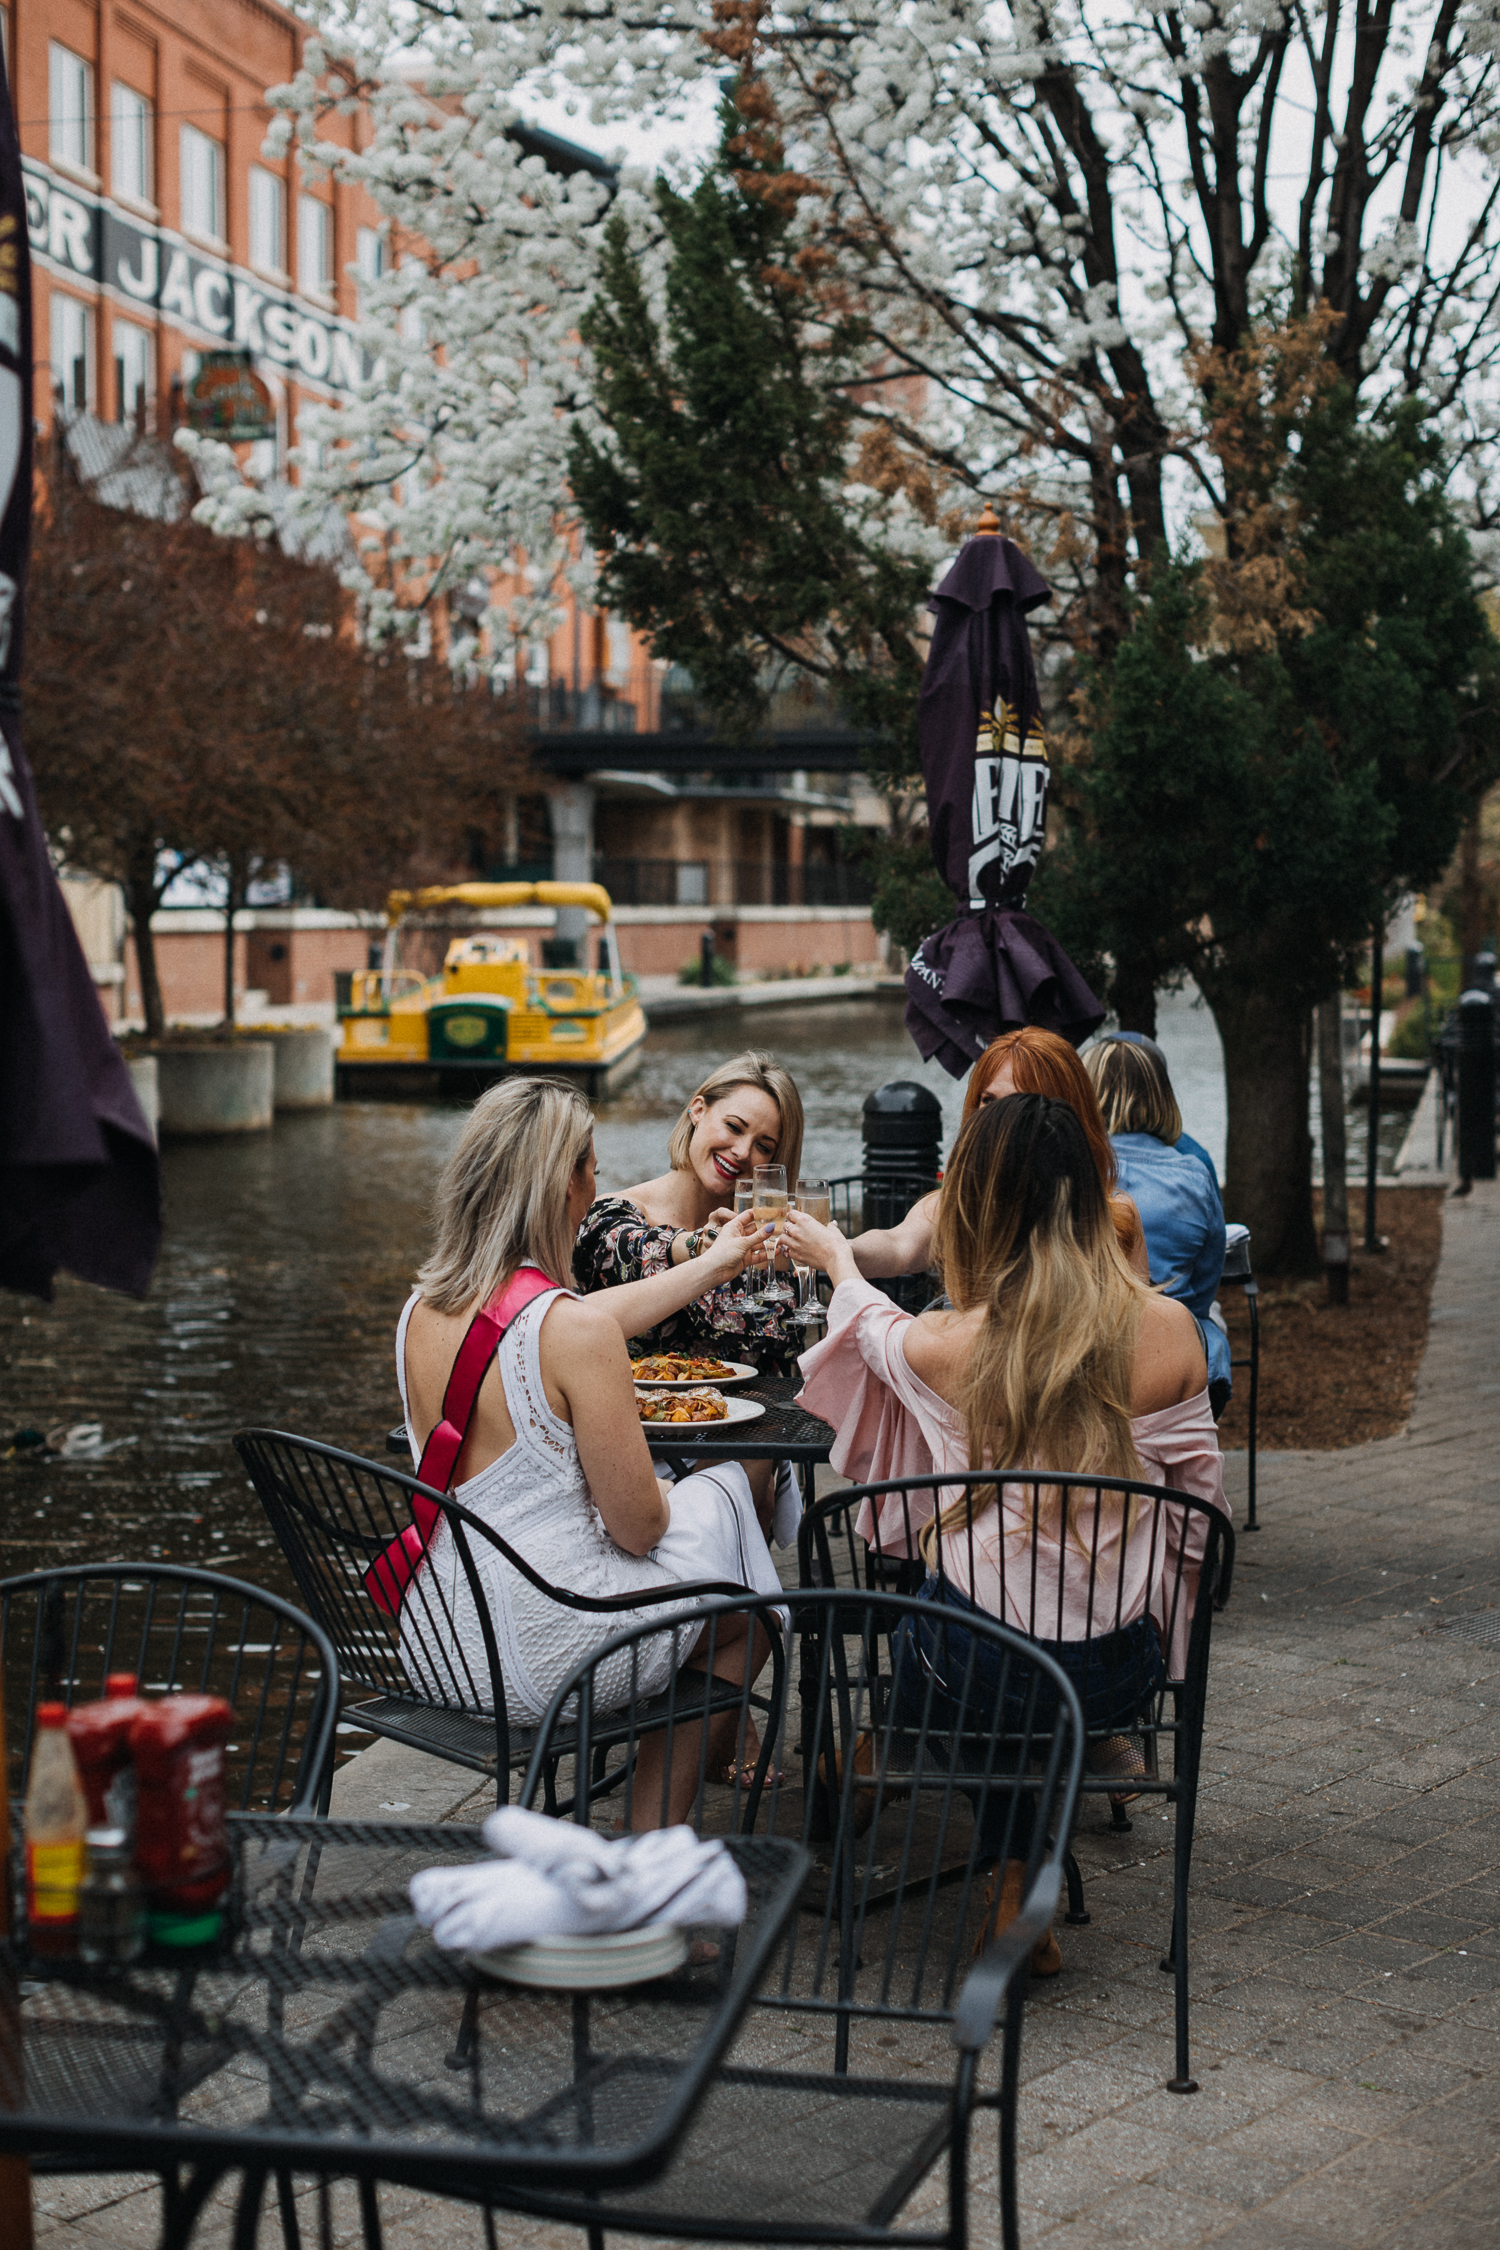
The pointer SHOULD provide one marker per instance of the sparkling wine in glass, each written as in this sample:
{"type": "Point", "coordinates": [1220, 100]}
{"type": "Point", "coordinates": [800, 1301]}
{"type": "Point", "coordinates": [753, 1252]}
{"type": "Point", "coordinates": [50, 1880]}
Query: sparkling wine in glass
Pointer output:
{"type": "Point", "coordinates": [770, 1207]}
{"type": "Point", "coordinates": [749, 1291]}
{"type": "Point", "coordinates": [814, 1198]}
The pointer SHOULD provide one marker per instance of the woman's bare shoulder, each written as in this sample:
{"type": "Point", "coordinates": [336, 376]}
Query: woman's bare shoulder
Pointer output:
{"type": "Point", "coordinates": [573, 1320]}
{"type": "Point", "coordinates": [1169, 1362]}
{"type": "Point", "coordinates": [937, 1346]}
{"type": "Point", "coordinates": [653, 1198]}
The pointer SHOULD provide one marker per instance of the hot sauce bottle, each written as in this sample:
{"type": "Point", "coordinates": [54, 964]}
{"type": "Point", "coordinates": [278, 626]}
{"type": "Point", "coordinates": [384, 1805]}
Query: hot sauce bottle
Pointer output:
{"type": "Point", "coordinates": [100, 1737]}
{"type": "Point", "coordinates": [56, 1821]}
{"type": "Point", "coordinates": [181, 1851]}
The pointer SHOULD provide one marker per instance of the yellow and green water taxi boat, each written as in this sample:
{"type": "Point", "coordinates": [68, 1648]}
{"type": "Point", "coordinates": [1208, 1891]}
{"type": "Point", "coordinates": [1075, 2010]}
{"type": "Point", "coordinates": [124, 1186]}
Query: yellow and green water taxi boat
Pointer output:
{"type": "Point", "coordinates": [490, 1012]}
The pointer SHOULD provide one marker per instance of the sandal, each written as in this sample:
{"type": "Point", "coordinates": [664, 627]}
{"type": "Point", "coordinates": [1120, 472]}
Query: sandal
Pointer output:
{"type": "Point", "coordinates": [742, 1776]}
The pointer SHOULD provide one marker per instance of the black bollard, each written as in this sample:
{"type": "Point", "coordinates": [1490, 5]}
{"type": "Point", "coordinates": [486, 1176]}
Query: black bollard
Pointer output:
{"type": "Point", "coordinates": [1476, 1087]}
{"type": "Point", "coordinates": [903, 1133]}
{"type": "Point", "coordinates": [706, 959]}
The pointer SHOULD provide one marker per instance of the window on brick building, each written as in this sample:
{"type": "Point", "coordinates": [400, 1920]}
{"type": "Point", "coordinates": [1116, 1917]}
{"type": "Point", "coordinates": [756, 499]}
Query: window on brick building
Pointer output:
{"type": "Point", "coordinates": [135, 374]}
{"type": "Point", "coordinates": [314, 245]}
{"type": "Point", "coordinates": [267, 219]}
{"type": "Point", "coordinates": [70, 107]}
{"type": "Point", "coordinates": [202, 184]}
{"type": "Point", "coordinates": [129, 142]}
{"type": "Point", "coordinates": [72, 352]}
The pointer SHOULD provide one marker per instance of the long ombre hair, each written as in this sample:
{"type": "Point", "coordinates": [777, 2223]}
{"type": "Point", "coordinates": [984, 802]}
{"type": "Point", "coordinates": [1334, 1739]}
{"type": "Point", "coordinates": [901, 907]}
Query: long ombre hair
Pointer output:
{"type": "Point", "coordinates": [1024, 1232]}
{"type": "Point", "coordinates": [502, 1198]}
{"type": "Point", "coordinates": [1042, 1063]}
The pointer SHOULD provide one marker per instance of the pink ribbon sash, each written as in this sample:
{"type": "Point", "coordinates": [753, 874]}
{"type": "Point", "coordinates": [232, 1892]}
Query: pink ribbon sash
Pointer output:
{"type": "Point", "coordinates": [392, 1572]}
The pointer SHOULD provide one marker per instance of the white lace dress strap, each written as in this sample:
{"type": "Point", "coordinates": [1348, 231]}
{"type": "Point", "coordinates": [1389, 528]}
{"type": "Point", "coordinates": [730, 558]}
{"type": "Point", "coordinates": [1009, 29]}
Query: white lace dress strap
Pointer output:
{"type": "Point", "coordinates": [539, 1431]}
{"type": "Point", "coordinates": [401, 1327]}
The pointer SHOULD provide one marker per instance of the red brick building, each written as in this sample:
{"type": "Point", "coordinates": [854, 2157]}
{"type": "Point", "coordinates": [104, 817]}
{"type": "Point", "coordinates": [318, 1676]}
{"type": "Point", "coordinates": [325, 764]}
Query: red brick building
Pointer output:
{"type": "Point", "coordinates": [160, 230]}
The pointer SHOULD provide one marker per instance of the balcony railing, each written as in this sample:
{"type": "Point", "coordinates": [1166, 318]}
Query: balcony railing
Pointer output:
{"type": "Point", "coordinates": [556, 708]}
{"type": "Point", "coordinates": [727, 884]}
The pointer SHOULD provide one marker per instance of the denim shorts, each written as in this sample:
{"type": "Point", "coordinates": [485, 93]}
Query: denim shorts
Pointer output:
{"type": "Point", "coordinates": [1115, 1674]}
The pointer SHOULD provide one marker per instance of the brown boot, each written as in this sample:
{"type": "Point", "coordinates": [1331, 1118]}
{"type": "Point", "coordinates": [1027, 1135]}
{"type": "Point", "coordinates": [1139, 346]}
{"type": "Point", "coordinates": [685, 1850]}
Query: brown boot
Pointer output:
{"type": "Point", "coordinates": [1046, 1958]}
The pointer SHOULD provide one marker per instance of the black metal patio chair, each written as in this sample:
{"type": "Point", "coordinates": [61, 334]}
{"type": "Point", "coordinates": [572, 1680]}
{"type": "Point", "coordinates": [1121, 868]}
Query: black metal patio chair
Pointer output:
{"type": "Point", "coordinates": [180, 1630]}
{"type": "Point", "coordinates": [1149, 1682]}
{"type": "Point", "coordinates": [860, 1200]}
{"type": "Point", "coordinates": [1239, 1273]}
{"type": "Point", "coordinates": [794, 2145]}
{"type": "Point", "coordinates": [335, 1514]}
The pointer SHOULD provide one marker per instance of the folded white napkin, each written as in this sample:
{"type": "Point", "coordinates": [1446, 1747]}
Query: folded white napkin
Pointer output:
{"type": "Point", "coordinates": [553, 1878]}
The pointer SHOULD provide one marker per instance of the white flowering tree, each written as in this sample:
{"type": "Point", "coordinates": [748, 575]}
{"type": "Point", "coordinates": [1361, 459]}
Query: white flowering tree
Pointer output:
{"type": "Point", "coordinates": [1060, 223]}
{"type": "Point", "coordinates": [1044, 208]}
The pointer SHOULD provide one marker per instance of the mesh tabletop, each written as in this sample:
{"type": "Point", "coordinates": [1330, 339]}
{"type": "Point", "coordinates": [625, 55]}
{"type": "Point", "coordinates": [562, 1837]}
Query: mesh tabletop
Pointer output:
{"type": "Point", "coordinates": [783, 1433]}
{"type": "Point", "coordinates": [320, 2035]}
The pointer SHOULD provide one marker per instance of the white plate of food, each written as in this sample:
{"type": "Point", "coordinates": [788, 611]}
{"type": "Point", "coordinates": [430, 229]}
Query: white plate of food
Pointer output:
{"type": "Point", "coordinates": [701, 1408]}
{"type": "Point", "coordinates": [589, 1964]}
{"type": "Point", "coordinates": [689, 1371]}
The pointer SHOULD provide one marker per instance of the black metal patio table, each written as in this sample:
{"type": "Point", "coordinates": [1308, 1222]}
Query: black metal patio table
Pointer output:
{"type": "Point", "coordinates": [319, 2039]}
{"type": "Point", "coordinates": [785, 1432]}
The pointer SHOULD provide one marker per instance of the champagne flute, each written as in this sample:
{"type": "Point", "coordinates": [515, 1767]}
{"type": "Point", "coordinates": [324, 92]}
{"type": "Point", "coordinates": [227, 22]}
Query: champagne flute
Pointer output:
{"type": "Point", "coordinates": [813, 1198]}
{"type": "Point", "coordinates": [770, 1207]}
{"type": "Point", "coordinates": [748, 1292]}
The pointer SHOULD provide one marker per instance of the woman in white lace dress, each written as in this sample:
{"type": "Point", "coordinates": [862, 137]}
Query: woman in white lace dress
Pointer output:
{"type": "Point", "coordinates": [555, 1457]}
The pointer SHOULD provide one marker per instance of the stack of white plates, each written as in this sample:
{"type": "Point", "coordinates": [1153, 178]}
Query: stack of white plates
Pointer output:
{"type": "Point", "coordinates": [589, 1964]}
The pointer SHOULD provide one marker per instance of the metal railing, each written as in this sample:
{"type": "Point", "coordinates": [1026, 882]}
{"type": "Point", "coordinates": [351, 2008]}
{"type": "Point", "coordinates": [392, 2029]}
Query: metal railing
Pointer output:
{"type": "Point", "coordinates": [556, 708]}
{"type": "Point", "coordinates": [731, 883]}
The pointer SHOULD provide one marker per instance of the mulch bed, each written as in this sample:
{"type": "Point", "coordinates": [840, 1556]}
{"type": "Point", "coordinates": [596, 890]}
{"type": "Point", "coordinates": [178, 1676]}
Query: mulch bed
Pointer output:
{"type": "Point", "coordinates": [1330, 1375]}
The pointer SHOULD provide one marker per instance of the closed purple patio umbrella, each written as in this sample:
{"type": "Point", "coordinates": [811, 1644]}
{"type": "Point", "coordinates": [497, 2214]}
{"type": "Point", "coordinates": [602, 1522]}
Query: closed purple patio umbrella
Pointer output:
{"type": "Point", "coordinates": [79, 1185]}
{"type": "Point", "coordinates": [984, 760]}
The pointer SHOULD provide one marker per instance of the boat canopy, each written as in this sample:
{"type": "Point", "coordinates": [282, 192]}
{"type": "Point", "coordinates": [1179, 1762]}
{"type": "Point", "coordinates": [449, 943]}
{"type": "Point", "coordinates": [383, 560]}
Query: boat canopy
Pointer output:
{"type": "Point", "coordinates": [591, 896]}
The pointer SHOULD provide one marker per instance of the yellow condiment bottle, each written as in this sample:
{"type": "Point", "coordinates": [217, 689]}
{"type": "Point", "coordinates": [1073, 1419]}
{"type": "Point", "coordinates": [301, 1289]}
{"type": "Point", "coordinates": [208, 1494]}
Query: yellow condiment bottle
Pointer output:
{"type": "Point", "coordinates": [57, 1820]}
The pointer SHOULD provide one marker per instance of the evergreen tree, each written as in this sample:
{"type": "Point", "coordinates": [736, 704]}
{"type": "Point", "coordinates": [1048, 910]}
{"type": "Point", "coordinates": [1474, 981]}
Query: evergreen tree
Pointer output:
{"type": "Point", "coordinates": [745, 529]}
{"type": "Point", "coordinates": [1252, 787]}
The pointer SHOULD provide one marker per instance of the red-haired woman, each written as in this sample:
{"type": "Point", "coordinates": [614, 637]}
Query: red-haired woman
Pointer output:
{"type": "Point", "coordinates": [1018, 1062]}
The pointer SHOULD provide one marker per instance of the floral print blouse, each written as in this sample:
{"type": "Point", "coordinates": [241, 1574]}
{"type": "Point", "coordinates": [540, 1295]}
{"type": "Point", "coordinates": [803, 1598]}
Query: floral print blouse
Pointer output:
{"type": "Point", "coordinates": [617, 1243]}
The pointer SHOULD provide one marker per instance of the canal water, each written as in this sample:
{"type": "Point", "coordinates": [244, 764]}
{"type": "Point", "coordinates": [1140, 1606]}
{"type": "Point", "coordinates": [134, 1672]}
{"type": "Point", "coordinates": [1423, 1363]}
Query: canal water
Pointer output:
{"type": "Point", "coordinates": [288, 1256]}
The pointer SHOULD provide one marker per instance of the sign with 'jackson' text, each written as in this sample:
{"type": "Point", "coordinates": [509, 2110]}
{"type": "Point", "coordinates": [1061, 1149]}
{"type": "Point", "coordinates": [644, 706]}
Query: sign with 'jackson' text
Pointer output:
{"type": "Point", "coordinates": [218, 306]}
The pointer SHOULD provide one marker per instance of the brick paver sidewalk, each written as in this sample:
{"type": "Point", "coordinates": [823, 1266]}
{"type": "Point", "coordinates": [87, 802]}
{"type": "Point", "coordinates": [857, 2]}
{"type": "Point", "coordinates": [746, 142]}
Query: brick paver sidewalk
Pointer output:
{"type": "Point", "coordinates": [1346, 1887]}
{"type": "Point", "coordinates": [1346, 1873]}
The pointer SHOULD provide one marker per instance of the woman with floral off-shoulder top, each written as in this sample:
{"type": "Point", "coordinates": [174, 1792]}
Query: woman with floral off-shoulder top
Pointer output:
{"type": "Point", "coordinates": [746, 1112]}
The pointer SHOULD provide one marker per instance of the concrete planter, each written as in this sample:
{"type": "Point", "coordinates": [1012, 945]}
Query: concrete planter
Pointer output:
{"type": "Point", "coordinates": [143, 1077]}
{"type": "Point", "coordinates": [304, 1067]}
{"type": "Point", "coordinates": [225, 1089]}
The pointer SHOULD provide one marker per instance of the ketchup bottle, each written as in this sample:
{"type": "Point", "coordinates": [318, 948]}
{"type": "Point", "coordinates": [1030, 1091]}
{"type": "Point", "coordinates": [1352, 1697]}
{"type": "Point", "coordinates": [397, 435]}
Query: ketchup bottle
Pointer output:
{"type": "Point", "coordinates": [56, 1820]}
{"type": "Point", "coordinates": [181, 1850]}
{"type": "Point", "coordinates": [100, 1736]}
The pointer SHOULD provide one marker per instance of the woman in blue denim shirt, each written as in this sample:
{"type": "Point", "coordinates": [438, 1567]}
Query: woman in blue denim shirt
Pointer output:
{"type": "Point", "coordinates": [1172, 1186]}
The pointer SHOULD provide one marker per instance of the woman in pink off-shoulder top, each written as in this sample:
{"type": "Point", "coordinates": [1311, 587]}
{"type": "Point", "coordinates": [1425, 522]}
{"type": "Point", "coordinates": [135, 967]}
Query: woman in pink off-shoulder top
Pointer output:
{"type": "Point", "coordinates": [1055, 1356]}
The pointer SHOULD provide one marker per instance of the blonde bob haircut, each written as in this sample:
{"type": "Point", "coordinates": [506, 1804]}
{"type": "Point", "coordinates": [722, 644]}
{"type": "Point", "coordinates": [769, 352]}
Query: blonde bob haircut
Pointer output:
{"type": "Point", "coordinates": [1135, 1093]}
{"type": "Point", "coordinates": [767, 1076]}
{"type": "Point", "coordinates": [502, 1199]}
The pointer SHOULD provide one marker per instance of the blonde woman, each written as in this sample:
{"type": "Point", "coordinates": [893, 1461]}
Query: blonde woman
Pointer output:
{"type": "Point", "coordinates": [554, 1457]}
{"type": "Point", "coordinates": [1055, 1356]}
{"type": "Point", "coordinates": [1173, 1183]}
{"type": "Point", "coordinates": [746, 1112]}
